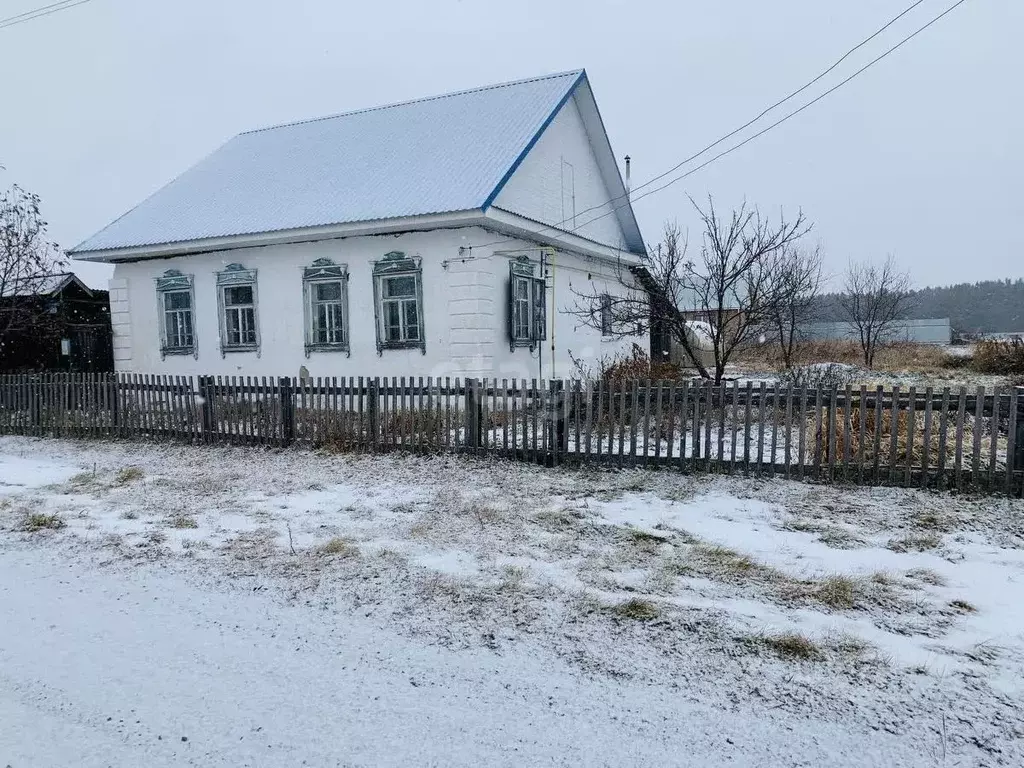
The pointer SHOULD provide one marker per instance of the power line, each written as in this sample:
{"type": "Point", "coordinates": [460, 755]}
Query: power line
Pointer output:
{"type": "Point", "coordinates": [38, 13]}
{"type": "Point", "coordinates": [792, 114]}
{"type": "Point", "coordinates": [777, 104]}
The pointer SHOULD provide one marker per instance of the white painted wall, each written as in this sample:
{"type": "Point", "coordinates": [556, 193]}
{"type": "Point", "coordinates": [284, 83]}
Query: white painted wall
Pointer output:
{"type": "Point", "coordinates": [542, 187]}
{"type": "Point", "coordinates": [464, 313]}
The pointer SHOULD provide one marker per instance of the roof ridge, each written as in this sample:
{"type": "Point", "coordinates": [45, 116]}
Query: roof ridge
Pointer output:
{"type": "Point", "coordinates": [553, 75]}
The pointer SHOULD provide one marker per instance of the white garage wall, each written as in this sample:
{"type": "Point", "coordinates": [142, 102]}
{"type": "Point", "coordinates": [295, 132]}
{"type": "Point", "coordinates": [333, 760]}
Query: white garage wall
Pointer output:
{"type": "Point", "coordinates": [465, 311]}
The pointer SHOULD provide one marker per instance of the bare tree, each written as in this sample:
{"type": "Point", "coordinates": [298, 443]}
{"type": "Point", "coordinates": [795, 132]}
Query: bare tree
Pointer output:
{"type": "Point", "coordinates": [874, 300]}
{"type": "Point", "coordinates": [799, 277]}
{"type": "Point", "coordinates": [27, 258]}
{"type": "Point", "coordinates": [712, 304]}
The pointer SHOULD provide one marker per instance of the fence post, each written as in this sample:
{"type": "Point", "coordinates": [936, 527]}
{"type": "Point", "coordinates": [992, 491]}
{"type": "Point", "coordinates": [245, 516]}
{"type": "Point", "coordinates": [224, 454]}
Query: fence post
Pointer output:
{"type": "Point", "coordinates": [1018, 448]}
{"type": "Point", "coordinates": [472, 414]}
{"type": "Point", "coordinates": [287, 410]}
{"type": "Point", "coordinates": [373, 411]}
{"type": "Point", "coordinates": [36, 403]}
{"type": "Point", "coordinates": [204, 384]}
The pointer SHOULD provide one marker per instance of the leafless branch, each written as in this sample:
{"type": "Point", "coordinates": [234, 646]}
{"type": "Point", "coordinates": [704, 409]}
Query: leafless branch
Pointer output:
{"type": "Point", "coordinates": [709, 306]}
{"type": "Point", "coordinates": [874, 300]}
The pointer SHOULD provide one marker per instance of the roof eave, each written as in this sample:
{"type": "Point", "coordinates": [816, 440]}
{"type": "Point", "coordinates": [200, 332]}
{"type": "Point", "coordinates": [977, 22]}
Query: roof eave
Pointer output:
{"type": "Point", "coordinates": [449, 219]}
{"type": "Point", "coordinates": [523, 228]}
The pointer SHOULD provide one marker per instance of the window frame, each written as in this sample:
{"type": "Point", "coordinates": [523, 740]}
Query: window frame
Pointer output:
{"type": "Point", "coordinates": [396, 264]}
{"type": "Point", "coordinates": [522, 272]}
{"type": "Point", "coordinates": [237, 276]}
{"type": "Point", "coordinates": [325, 272]}
{"type": "Point", "coordinates": [174, 281]}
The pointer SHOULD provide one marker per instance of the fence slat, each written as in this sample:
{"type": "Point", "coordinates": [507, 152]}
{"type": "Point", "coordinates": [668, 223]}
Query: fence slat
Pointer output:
{"type": "Point", "coordinates": [734, 427]}
{"type": "Point", "coordinates": [847, 430]}
{"type": "Point", "coordinates": [894, 432]}
{"type": "Point", "coordinates": [979, 418]}
{"type": "Point", "coordinates": [911, 412]}
{"type": "Point", "coordinates": [659, 429]}
{"type": "Point", "coordinates": [1011, 439]}
{"type": "Point", "coordinates": [746, 429]}
{"type": "Point", "coordinates": [940, 459]}
{"type": "Point", "coordinates": [926, 448]}
{"type": "Point", "coordinates": [818, 434]}
{"type": "Point", "coordinates": [830, 434]}
{"type": "Point", "coordinates": [993, 447]}
{"type": "Point", "coordinates": [961, 413]}
{"type": "Point", "coordinates": [862, 417]}
{"type": "Point", "coordinates": [702, 422]}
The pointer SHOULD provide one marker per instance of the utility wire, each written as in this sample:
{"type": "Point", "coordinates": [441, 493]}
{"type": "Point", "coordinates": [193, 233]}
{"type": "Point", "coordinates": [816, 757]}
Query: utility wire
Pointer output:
{"type": "Point", "coordinates": [792, 114]}
{"type": "Point", "coordinates": [38, 13]}
{"type": "Point", "coordinates": [818, 78]}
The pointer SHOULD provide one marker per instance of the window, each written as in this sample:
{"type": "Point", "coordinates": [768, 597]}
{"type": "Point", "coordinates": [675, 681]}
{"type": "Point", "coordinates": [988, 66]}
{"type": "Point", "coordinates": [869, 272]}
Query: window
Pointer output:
{"type": "Point", "coordinates": [398, 294]}
{"type": "Point", "coordinates": [175, 302]}
{"type": "Point", "coordinates": [239, 329]}
{"type": "Point", "coordinates": [606, 315]}
{"type": "Point", "coordinates": [527, 305]}
{"type": "Point", "coordinates": [325, 285]}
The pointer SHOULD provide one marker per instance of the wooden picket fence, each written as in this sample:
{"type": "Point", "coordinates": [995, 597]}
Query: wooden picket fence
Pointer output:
{"type": "Point", "coordinates": [914, 438]}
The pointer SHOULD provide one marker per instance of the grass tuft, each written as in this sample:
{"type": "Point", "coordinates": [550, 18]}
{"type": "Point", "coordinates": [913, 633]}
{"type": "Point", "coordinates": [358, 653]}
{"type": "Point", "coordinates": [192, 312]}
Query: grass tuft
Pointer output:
{"type": "Point", "coordinates": [637, 609]}
{"type": "Point", "coordinates": [913, 542]}
{"type": "Point", "coordinates": [926, 576]}
{"type": "Point", "coordinates": [183, 521]}
{"type": "Point", "coordinates": [127, 475]}
{"type": "Point", "coordinates": [39, 521]}
{"type": "Point", "coordinates": [962, 605]}
{"type": "Point", "coordinates": [338, 546]}
{"type": "Point", "coordinates": [791, 645]}
{"type": "Point", "coordinates": [645, 537]}
{"type": "Point", "coordinates": [836, 591]}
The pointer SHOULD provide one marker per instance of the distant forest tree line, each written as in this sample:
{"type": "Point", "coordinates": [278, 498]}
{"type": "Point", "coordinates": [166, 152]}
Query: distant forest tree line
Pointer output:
{"type": "Point", "coordinates": [989, 306]}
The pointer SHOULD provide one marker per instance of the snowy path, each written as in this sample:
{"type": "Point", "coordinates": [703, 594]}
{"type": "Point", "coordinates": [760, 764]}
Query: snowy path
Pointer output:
{"type": "Point", "coordinates": [114, 665]}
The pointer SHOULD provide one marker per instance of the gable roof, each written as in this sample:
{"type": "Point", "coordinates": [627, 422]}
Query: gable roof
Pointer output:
{"type": "Point", "coordinates": [437, 155]}
{"type": "Point", "coordinates": [44, 285]}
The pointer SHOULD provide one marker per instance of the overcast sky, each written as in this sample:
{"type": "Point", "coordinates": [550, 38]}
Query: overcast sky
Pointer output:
{"type": "Point", "coordinates": [921, 156]}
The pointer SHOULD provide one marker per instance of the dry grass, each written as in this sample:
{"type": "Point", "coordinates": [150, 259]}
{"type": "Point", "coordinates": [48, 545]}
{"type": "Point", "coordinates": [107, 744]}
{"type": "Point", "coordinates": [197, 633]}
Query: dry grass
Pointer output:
{"type": "Point", "coordinates": [962, 605]}
{"type": "Point", "coordinates": [790, 645]}
{"type": "Point", "coordinates": [183, 521]}
{"type": "Point", "coordinates": [726, 560]}
{"type": "Point", "coordinates": [127, 475]}
{"type": "Point", "coordinates": [926, 576]}
{"type": "Point", "coordinates": [1003, 357]}
{"type": "Point", "coordinates": [645, 539]}
{"type": "Point", "coordinates": [637, 609]}
{"type": "Point", "coordinates": [338, 546]}
{"type": "Point", "coordinates": [130, 514]}
{"type": "Point", "coordinates": [836, 591]}
{"type": "Point", "coordinates": [40, 521]}
{"type": "Point", "coordinates": [924, 358]}
{"type": "Point", "coordinates": [914, 542]}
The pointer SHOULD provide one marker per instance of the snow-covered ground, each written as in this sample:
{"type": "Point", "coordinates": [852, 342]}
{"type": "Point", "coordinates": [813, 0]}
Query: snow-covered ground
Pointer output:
{"type": "Point", "coordinates": [275, 607]}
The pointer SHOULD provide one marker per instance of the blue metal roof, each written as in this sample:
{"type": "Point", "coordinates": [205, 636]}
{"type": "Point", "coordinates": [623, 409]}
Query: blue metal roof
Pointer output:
{"type": "Point", "coordinates": [434, 155]}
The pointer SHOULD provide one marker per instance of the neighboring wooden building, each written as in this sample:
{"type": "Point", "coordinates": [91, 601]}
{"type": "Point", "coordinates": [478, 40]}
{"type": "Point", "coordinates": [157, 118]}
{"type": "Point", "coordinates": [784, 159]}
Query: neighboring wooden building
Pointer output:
{"type": "Point", "coordinates": [59, 324]}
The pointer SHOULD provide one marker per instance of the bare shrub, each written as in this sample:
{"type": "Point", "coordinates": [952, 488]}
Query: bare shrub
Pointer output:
{"type": "Point", "coordinates": [1001, 357]}
{"type": "Point", "coordinates": [39, 521]}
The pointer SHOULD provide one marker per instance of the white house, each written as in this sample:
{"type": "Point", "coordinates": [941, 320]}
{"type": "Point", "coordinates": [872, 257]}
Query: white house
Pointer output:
{"type": "Point", "coordinates": [437, 237]}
